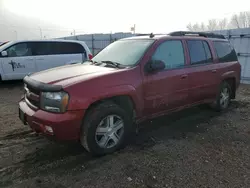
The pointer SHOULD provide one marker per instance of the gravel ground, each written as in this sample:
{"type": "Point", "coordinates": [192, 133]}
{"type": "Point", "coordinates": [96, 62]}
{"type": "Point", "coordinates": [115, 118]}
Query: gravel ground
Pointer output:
{"type": "Point", "coordinates": [193, 148]}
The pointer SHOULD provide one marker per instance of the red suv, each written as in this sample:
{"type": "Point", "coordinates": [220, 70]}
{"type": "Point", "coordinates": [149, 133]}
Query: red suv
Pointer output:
{"type": "Point", "coordinates": [100, 102]}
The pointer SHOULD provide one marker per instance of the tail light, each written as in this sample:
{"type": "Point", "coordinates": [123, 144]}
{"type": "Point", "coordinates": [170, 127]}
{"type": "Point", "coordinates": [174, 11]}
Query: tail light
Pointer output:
{"type": "Point", "coordinates": [90, 56]}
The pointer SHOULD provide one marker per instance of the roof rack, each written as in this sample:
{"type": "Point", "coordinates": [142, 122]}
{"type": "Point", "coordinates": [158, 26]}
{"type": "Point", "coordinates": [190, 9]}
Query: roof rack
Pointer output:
{"type": "Point", "coordinates": [201, 34]}
{"type": "Point", "coordinates": [151, 35]}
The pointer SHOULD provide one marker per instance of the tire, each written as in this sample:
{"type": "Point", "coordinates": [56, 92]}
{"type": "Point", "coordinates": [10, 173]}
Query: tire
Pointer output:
{"type": "Point", "coordinates": [99, 120]}
{"type": "Point", "coordinates": [226, 91]}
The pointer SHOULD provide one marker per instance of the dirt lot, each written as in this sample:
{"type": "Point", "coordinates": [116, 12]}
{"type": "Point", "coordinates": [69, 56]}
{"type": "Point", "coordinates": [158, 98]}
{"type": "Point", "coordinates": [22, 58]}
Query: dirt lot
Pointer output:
{"type": "Point", "coordinates": [194, 148]}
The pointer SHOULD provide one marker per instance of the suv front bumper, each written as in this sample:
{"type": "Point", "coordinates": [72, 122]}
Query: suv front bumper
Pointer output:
{"type": "Point", "coordinates": [63, 127]}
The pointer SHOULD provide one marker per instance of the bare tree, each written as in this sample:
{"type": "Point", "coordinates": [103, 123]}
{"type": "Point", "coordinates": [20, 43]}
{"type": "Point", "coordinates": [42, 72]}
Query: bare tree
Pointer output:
{"type": "Point", "coordinates": [212, 25]}
{"type": "Point", "coordinates": [223, 24]}
{"type": "Point", "coordinates": [241, 20]}
{"type": "Point", "coordinates": [203, 27]}
{"type": "Point", "coordinates": [195, 27]}
{"type": "Point", "coordinates": [248, 18]}
{"type": "Point", "coordinates": [235, 21]}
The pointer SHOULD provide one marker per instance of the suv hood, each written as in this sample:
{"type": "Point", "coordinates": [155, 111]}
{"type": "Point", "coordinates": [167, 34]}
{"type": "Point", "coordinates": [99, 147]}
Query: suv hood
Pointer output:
{"type": "Point", "coordinates": [70, 74]}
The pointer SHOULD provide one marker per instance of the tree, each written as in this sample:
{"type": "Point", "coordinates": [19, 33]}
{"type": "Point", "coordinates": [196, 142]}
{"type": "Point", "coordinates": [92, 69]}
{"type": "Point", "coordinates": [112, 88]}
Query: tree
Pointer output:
{"type": "Point", "coordinates": [223, 24]}
{"type": "Point", "coordinates": [240, 20]}
{"type": "Point", "coordinates": [212, 25]}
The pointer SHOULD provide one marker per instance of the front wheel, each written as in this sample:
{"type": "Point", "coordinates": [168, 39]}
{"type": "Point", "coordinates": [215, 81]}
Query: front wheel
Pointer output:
{"type": "Point", "coordinates": [106, 128]}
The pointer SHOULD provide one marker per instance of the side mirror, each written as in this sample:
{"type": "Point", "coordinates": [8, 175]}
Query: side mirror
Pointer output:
{"type": "Point", "coordinates": [4, 54]}
{"type": "Point", "coordinates": [154, 65]}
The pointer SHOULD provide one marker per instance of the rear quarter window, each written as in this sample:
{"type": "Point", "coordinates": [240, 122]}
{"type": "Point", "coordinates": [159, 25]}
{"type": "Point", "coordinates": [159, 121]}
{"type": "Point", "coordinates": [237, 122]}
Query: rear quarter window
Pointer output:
{"type": "Point", "coordinates": [69, 48]}
{"type": "Point", "coordinates": [225, 52]}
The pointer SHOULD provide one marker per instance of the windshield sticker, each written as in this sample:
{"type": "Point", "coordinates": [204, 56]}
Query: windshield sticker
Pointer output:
{"type": "Point", "coordinates": [15, 65]}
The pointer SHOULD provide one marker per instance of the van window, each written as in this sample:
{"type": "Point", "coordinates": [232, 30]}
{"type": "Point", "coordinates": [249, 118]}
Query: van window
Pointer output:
{"type": "Point", "coordinates": [171, 53]}
{"type": "Point", "coordinates": [19, 50]}
{"type": "Point", "coordinates": [56, 48]}
{"type": "Point", "coordinates": [225, 52]}
{"type": "Point", "coordinates": [41, 48]}
{"type": "Point", "coordinates": [66, 48]}
{"type": "Point", "coordinates": [199, 52]}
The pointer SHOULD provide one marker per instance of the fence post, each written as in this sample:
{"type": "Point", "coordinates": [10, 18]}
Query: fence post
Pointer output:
{"type": "Point", "coordinates": [110, 38]}
{"type": "Point", "coordinates": [93, 44]}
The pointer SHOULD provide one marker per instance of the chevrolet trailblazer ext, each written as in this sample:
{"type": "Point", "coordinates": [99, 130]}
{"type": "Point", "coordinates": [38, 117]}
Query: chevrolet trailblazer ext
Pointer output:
{"type": "Point", "coordinates": [131, 80]}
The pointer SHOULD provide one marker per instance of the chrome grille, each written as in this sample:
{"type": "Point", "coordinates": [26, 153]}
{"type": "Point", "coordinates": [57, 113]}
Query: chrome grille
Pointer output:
{"type": "Point", "coordinates": [32, 97]}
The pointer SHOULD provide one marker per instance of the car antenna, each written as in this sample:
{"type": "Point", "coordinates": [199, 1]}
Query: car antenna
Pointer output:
{"type": "Point", "coordinates": [151, 35]}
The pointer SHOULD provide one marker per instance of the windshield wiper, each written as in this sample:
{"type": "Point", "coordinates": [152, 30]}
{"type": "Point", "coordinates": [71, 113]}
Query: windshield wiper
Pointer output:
{"type": "Point", "coordinates": [112, 63]}
{"type": "Point", "coordinates": [91, 61]}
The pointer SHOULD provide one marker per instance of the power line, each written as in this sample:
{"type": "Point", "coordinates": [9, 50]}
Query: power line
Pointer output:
{"type": "Point", "coordinates": [43, 29]}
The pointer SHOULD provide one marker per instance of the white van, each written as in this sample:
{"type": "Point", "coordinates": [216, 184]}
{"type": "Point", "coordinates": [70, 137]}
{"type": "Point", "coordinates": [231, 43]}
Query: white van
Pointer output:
{"type": "Point", "coordinates": [19, 58]}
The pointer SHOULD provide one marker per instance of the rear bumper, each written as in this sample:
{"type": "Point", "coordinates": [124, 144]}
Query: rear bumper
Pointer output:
{"type": "Point", "coordinates": [65, 127]}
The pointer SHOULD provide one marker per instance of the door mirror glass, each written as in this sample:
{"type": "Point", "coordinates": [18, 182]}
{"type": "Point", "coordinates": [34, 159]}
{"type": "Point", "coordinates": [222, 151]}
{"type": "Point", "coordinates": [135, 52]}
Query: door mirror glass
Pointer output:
{"type": "Point", "coordinates": [4, 54]}
{"type": "Point", "coordinates": [154, 66]}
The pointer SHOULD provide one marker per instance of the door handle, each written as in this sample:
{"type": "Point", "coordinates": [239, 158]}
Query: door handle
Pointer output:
{"type": "Point", "coordinates": [184, 76]}
{"type": "Point", "coordinates": [214, 71]}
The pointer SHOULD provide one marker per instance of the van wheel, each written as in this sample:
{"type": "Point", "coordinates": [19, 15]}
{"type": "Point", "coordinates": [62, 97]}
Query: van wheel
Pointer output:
{"type": "Point", "coordinates": [105, 129]}
{"type": "Point", "coordinates": [223, 98]}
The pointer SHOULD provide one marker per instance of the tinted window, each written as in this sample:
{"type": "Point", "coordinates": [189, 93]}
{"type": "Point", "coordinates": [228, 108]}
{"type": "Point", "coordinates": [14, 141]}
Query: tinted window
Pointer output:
{"type": "Point", "coordinates": [55, 48]}
{"type": "Point", "coordinates": [19, 50]}
{"type": "Point", "coordinates": [224, 51]}
{"type": "Point", "coordinates": [197, 52]}
{"type": "Point", "coordinates": [68, 48]}
{"type": "Point", "coordinates": [171, 53]}
{"type": "Point", "coordinates": [41, 48]}
{"type": "Point", "coordinates": [208, 52]}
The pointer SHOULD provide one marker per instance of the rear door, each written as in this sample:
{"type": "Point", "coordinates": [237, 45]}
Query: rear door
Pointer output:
{"type": "Point", "coordinates": [167, 89]}
{"type": "Point", "coordinates": [19, 62]}
{"type": "Point", "coordinates": [203, 82]}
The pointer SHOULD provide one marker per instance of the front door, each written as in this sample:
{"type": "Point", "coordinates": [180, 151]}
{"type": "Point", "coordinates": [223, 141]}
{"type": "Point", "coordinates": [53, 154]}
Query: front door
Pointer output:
{"type": "Point", "coordinates": [19, 61]}
{"type": "Point", "coordinates": [167, 89]}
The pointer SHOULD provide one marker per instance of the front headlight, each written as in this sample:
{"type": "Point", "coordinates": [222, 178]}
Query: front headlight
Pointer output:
{"type": "Point", "coordinates": [54, 101]}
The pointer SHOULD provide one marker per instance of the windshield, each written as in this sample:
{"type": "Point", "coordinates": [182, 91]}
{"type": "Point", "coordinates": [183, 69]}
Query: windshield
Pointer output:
{"type": "Point", "coordinates": [124, 52]}
{"type": "Point", "coordinates": [2, 45]}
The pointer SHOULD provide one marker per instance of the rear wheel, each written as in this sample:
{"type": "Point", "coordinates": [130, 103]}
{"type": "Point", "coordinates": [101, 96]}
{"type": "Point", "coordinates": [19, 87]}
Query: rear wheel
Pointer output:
{"type": "Point", "coordinates": [105, 129]}
{"type": "Point", "coordinates": [223, 98]}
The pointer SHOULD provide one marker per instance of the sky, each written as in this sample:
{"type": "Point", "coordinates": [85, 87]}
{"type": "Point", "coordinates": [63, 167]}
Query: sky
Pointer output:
{"type": "Point", "coordinates": [52, 18]}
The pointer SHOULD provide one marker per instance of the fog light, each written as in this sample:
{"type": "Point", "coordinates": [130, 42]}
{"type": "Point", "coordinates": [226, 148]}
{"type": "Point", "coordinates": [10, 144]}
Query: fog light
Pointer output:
{"type": "Point", "coordinates": [48, 129]}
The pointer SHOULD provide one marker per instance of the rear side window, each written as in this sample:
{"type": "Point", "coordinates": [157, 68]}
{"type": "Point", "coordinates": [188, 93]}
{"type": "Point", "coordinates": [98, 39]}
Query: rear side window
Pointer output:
{"type": "Point", "coordinates": [225, 52]}
{"type": "Point", "coordinates": [41, 48]}
{"type": "Point", "coordinates": [171, 53]}
{"type": "Point", "coordinates": [56, 48]}
{"type": "Point", "coordinates": [199, 52]}
{"type": "Point", "coordinates": [68, 48]}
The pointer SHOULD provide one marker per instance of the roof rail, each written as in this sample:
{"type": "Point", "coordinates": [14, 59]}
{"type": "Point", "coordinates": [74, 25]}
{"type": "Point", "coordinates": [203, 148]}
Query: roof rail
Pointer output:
{"type": "Point", "coordinates": [151, 35]}
{"type": "Point", "coordinates": [201, 34]}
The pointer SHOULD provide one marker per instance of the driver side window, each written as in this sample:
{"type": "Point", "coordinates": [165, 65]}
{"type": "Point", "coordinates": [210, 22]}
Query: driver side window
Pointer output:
{"type": "Point", "coordinates": [19, 50]}
{"type": "Point", "coordinates": [171, 53]}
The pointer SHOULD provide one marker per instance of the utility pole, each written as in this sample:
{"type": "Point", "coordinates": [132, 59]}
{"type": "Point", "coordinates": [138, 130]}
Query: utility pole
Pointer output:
{"type": "Point", "coordinates": [41, 33]}
{"type": "Point", "coordinates": [15, 34]}
{"type": "Point", "coordinates": [133, 29]}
